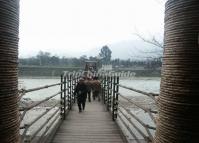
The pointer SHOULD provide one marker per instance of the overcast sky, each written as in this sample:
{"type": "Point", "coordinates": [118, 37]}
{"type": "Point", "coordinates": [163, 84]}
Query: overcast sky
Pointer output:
{"type": "Point", "coordinates": [73, 27]}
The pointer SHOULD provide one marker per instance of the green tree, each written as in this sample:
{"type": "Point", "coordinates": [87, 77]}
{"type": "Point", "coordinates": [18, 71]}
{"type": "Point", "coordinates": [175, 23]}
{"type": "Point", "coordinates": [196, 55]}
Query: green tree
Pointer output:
{"type": "Point", "coordinates": [43, 57]}
{"type": "Point", "coordinates": [54, 60]}
{"type": "Point", "coordinates": [105, 55]}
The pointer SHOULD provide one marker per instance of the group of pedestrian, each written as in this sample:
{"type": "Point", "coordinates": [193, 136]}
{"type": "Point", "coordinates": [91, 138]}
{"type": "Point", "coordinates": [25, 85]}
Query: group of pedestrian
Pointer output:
{"type": "Point", "coordinates": [84, 88]}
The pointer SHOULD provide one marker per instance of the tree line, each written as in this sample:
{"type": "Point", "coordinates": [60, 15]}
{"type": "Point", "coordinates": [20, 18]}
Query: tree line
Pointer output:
{"type": "Point", "coordinates": [104, 57]}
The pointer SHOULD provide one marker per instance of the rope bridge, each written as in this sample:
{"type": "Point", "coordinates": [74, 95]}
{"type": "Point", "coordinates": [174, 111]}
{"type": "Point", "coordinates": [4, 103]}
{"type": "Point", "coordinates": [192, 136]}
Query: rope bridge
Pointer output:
{"type": "Point", "coordinates": [131, 125]}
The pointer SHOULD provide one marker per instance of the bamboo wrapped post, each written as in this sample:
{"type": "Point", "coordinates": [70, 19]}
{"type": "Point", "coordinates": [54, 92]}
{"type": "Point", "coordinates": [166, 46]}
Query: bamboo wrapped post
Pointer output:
{"type": "Point", "coordinates": [9, 115]}
{"type": "Point", "coordinates": [178, 100]}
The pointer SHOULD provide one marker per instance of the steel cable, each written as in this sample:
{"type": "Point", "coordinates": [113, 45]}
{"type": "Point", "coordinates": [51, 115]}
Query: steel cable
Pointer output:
{"type": "Point", "coordinates": [178, 100]}
{"type": "Point", "coordinates": [9, 115]}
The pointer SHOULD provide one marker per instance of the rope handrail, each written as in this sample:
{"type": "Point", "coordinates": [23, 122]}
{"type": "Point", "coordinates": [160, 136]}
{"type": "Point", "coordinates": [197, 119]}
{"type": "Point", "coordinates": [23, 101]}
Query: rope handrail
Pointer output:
{"type": "Point", "coordinates": [110, 90]}
{"type": "Point", "coordinates": [128, 128]}
{"type": "Point", "coordinates": [136, 118]}
{"type": "Point", "coordinates": [28, 125]}
{"type": "Point", "coordinates": [138, 130]}
{"type": "Point", "coordinates": [48, 127]}
{"type": "Point", "coordinates": [62, 104]}
{"type": "Point", "coordinates": [151, 95]}
{"type": "Point", "coordinates": [23, 91]}
{"type": "Point", "coordinates": [38, 103]}
{"type": "Point", "coordinates": [136, 104]}
{"type": "Point", "coordinates": [146, 126]}
{"type": "Point", "coordinates": [46, 122]}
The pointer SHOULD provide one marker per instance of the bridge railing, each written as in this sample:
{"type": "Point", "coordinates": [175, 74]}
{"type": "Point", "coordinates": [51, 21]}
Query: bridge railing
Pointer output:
{"type": "Point", "coordinates": [52, 116]}
{"type": "Point", "coordinates": [120, 107]}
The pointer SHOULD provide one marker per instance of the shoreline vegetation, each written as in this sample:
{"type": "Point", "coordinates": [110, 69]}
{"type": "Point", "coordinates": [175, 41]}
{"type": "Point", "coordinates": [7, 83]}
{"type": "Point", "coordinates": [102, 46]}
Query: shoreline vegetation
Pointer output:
{"type": "Point", "coordinates": [53, 72]}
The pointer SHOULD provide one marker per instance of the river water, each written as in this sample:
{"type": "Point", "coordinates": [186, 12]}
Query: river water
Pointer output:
{"type": "Point", "coordinates": [148, 84]}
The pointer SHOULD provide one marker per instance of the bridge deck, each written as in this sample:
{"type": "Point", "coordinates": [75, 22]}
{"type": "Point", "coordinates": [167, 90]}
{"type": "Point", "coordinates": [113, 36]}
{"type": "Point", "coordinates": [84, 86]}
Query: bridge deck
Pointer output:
{"type": "Point", "coordinates": [94, 125]}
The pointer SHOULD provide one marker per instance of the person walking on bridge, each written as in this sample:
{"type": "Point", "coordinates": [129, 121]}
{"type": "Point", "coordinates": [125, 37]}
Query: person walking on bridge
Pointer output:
{"type": "Point", "coordinates": [81, 93]}
{"type": "Point", "coordinates": [96, 88]}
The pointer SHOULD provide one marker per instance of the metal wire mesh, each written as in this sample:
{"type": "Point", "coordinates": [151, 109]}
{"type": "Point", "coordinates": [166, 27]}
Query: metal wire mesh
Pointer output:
{"type": "Point", "coordinates": [9, 22]}
{"type": "Point", "coordinates": [178, 101]}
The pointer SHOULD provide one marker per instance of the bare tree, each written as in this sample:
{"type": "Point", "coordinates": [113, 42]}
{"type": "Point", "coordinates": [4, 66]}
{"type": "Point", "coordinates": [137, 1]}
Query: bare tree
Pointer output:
{"type": "Point", "coordinates": [152, 41]}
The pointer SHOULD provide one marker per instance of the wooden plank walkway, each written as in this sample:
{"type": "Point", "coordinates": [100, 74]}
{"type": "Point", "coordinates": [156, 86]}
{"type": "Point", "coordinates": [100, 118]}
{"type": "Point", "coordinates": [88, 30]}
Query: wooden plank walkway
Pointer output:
{"type": "Point", "coordinates": [94, 125]}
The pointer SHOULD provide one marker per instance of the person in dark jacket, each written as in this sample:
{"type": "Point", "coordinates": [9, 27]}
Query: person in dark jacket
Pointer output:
{"type": "Point", "coordinates": [81, 93]}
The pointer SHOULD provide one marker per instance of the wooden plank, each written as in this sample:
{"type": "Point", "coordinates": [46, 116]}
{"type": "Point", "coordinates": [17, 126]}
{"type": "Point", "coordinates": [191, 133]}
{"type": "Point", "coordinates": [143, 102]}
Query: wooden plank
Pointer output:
{"type": "Point", "coordinates": [94, 125]}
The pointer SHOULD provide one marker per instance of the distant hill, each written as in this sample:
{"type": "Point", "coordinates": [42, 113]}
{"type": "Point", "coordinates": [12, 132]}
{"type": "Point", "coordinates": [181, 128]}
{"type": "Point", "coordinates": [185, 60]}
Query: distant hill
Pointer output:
{"type": "Point", "coordinates": [130, 49]}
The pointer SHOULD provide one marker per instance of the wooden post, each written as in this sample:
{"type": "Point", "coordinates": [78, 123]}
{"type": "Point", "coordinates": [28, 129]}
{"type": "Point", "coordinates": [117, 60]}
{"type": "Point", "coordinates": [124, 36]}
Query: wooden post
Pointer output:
{"type": "Point", "coordinates": [64, 97]}
{"type": "Point", "coordinates": [68, 87]}
{"type": "Point", "coordinates": [72, 87]}
{"type": "Point", "coordinates": [70, 92]}
{"type": "Point", "coordinates": [75, 83]}
{"type": "Point", "coordinates": [61, 97]}
{"type": "Point", "coordinates": [104, 94]}
{"type": "Point", "coordinates": [116, 97]}
{"type": "Point", "coordinates": [108, 93]}
{"type": "Point", "coordinates": [106, 89]}
{"type": "Point", "coordinates": [111, 92]}
{"type": "Point", "coordinates": [113, 103]}
{"type": "Point", "coordinates": [101, 82]}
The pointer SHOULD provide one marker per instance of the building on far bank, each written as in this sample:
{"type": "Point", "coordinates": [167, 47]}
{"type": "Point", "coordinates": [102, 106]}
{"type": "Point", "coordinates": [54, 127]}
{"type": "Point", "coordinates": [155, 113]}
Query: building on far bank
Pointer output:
{"type": "Point", "coordinates": [106, 68]}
